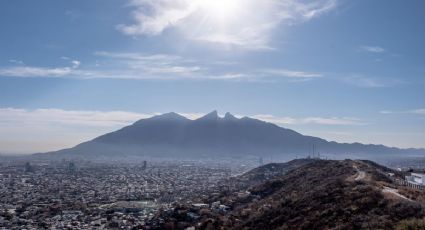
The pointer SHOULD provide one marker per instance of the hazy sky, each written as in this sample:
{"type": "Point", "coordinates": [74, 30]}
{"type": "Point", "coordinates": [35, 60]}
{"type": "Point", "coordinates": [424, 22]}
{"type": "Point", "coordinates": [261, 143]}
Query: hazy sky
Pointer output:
{"type": "Point", "coordinates": [350, 71]}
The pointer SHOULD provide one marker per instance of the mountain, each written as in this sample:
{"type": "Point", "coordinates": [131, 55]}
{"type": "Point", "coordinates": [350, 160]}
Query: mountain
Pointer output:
{"type": "Point", "coordinates": [172, 135]}
{"type": "Point", "coordinates": [322, 194]}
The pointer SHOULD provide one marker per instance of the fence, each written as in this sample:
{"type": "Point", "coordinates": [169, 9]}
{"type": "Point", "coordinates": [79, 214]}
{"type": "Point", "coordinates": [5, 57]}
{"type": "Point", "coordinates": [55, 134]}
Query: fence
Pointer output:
{"type": "Point", "coordinates": [408, 184]}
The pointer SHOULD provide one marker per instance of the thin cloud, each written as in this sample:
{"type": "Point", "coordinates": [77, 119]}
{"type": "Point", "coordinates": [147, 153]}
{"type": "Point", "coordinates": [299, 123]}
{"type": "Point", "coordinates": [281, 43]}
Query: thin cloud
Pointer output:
{"type": "Point", "coordinates": [372, 49]}
{"type": "Point", "coordinates": [75, 64]}
{"type": "Point", "coordinates": [413, 111]}
{"type": "Point", "coordinates": [309, 120]}
{"type": "Point", "coordinates": [419, 111]}
{"type": "Point", "coordinates": [13, 116]}
{"type": "Point", "coordinates": [35, 71]}
{"type": "Point", "coordinates": [140, 56]}
{"type": "Point", "coordinates": [250, 25]}
{"type": "Point", "coordinates": [290, 73]}
{"type": "Point", "coordinates": [140, 66]}
{"type": "Point", "coordinates": [370, 82]}
{"type": "Point", "coordinates": [152, 65]}
{"type": "Point", "coordinates": [30, 71]}
{"type": "Point", "coordinates": [122, 66]}
{"type": "Point", "coordinates": [230, 76]}
{"type": "Point", "coordinates": [17, 62]}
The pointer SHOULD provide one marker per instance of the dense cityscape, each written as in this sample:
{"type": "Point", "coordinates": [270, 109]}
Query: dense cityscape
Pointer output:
{"type": "Point", "coordinates": [77, 195]}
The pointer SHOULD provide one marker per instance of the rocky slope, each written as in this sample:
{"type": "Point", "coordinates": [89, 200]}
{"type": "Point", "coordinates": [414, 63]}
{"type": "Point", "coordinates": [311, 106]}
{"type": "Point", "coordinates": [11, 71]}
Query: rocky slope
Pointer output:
{"type": "Point", "coordinates": [319, 195]}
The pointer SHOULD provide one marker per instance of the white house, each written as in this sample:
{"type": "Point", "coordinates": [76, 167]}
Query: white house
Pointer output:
{"type": "Point", "coordinates": [416, 178]}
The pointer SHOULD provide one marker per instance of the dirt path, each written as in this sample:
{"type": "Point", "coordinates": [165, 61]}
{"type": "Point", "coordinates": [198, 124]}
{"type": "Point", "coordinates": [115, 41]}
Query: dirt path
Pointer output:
{"type": "Point", "coordinates": [394, 192]}
{"type": "Point", "coordinates": [360, 174]}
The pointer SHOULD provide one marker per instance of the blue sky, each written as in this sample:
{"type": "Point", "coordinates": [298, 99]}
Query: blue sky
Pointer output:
{"type": "Point", "coordinates": [350, 71]}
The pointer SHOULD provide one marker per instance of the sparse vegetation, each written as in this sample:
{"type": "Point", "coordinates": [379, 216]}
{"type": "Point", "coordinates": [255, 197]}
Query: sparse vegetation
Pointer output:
{"type": "Point", "coordinates": [315, 196]}
{"type": "Point", "coordinates": [411, 224]}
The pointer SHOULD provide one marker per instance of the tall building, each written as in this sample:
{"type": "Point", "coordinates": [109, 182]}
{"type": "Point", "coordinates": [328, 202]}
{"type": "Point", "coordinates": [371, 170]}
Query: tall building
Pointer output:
{"type": "Point", "coordinates": [71, 167]}
{"type": "Point", "coordinates": [28, 167]}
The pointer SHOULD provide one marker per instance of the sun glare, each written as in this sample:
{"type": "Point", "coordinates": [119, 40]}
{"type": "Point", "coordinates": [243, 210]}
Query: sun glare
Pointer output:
{"type": "Point", "coordinates": [220, 8]}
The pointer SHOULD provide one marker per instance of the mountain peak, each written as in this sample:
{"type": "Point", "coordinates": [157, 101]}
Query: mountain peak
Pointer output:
{"type": "Point", "coordinates": [172, 116]}
{"type": "Point", "coordinates": [229, 116]}
{"type": "Point", "coordinates": [210, 116]}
